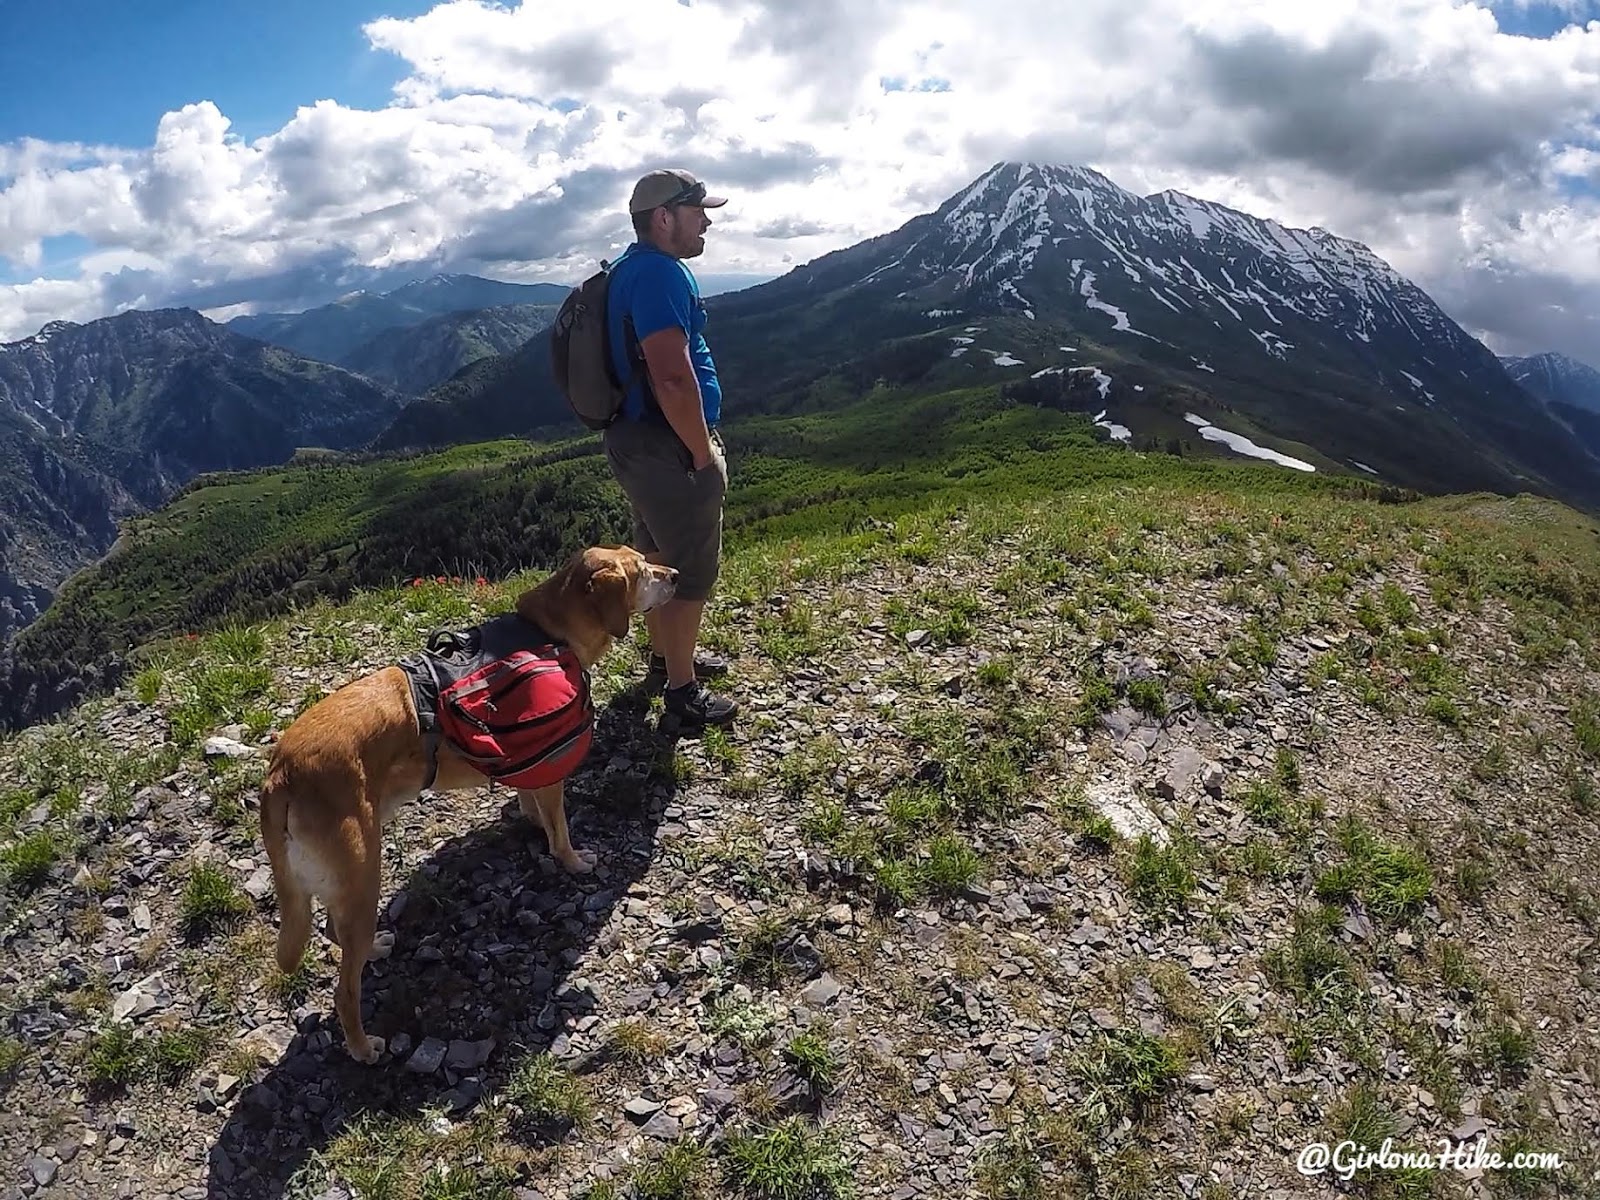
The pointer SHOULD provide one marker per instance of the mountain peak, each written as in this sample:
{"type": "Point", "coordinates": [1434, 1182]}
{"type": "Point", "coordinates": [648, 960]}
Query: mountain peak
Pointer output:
{"type": "Point", "coordinates": [1557, 377]}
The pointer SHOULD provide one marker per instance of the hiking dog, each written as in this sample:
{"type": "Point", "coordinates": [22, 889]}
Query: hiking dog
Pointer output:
{"type": "Point", "coordinates": [507, 700]}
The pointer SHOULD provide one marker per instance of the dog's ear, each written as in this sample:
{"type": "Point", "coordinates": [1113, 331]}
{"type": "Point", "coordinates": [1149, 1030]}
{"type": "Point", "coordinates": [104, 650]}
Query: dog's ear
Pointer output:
{"type": "Point", "coordinates": [611, 595]}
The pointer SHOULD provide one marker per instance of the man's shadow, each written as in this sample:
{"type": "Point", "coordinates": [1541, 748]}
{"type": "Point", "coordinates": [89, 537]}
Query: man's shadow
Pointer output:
{"type": "Point", "coordinates": [486, 939]}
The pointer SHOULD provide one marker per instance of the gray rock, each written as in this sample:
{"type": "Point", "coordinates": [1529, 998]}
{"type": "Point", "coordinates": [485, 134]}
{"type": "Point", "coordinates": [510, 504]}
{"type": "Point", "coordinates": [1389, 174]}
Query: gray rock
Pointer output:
{"type": "Point", "coordinates": [468, 1056]}
{"type": "Point", "coordinates": [662, 1127]}
{"type": "Point", "coordinates": [641, 1108]}
{"type": "Point", "coordinates": [44, 1170]}
{"type": "Point", "coordinates": [427, 1057]}
{"type": "Point", "coordinates": [268, 1043]}
{"type": "Point", "coordinates": [143, 998]}
{"type": "Point", "coordinates": [824, 990]}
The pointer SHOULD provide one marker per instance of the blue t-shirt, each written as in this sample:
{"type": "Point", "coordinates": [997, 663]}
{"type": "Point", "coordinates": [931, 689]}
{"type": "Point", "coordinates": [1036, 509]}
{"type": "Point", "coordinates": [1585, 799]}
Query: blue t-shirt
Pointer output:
{"type": "Point", "coordinates": [659, 291]}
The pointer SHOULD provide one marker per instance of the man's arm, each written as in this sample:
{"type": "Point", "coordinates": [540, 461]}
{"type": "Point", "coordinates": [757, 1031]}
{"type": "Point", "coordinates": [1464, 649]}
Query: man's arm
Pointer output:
{"type": "Point", "coordinates": [666, 355]}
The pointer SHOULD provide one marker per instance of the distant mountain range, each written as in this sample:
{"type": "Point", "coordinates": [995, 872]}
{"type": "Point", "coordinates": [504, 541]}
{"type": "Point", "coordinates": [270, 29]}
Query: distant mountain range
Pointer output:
{"type": "Point", "coordinates": [1167, 316]}
{"type": "Point", "coordinates": [334, 332]}
{"type": "Point", "coordinates": [111, 417]}
{"type": "Point", "coordinates": [1558, 379]}
{"type": "Point", "coordinates": [1173, 323]}
{"type": "Point", "coordinates": [416, 358]}
{"type": "Point", "coordinates": [1571, 388]}
{"type": "Point", "coordinates": [420, 334]}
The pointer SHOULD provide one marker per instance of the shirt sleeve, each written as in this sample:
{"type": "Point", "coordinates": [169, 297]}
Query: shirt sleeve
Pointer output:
{"type": "Point", "coordinates": [661, 299]}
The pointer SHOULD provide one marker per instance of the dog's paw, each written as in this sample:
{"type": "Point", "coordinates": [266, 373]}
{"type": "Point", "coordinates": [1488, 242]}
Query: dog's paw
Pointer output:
{"type": "Point", "coordinates": [382, 946]}
{"type": "Point", "coordinates": [373, 1052]}
{"type": "Point", "coordinates": [580, 862]}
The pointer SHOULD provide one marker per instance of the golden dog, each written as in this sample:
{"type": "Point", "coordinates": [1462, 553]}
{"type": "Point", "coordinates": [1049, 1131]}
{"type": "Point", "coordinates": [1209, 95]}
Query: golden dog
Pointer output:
{"type": "Point", "coordinates": [349, 763]}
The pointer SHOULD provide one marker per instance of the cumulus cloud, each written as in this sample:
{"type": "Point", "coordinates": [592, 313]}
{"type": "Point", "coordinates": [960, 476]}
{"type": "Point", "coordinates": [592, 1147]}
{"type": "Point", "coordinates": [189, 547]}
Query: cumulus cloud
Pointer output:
{"type": "Point", "coordinates": [1468, 157]}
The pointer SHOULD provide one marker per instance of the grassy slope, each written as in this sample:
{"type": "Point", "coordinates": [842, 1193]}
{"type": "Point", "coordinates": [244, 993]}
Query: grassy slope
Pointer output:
{"type": "Point", "coordinates": [247, 544]}
{"type": "Point", "coordinates": [1435, 615]}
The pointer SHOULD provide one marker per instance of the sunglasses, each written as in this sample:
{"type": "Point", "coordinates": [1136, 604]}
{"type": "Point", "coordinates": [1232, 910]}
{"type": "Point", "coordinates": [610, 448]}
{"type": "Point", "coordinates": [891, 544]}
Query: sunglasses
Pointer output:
{"type": "Point", "coordinates": [692, 194]}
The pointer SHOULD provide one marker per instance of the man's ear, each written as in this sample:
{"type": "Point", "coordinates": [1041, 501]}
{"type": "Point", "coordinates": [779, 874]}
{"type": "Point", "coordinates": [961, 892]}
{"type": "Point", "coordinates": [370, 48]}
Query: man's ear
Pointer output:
{"type": "Point", "coordinates": [611, 596]}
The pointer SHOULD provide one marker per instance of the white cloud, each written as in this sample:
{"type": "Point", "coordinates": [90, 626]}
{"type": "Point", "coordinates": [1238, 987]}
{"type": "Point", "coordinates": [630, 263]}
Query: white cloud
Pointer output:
{"type": "Point", "coordinates": [1465, 156]}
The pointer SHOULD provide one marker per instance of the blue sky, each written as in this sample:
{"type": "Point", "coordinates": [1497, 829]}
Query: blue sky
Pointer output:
{"type": "Point", "coordinates": [1543, 20]}
{"type": "Point", "coordinates": [103, 71]}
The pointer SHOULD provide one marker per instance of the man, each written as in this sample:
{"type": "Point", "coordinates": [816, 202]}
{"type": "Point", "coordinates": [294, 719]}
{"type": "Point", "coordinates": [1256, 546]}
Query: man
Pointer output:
{"type": "Point", "coordinates": [664, 448]}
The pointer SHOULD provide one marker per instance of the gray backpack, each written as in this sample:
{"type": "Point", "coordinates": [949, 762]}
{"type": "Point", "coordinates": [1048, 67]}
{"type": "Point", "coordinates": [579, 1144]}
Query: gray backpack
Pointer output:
{"type": "Point", "coordinates": [580, 353]}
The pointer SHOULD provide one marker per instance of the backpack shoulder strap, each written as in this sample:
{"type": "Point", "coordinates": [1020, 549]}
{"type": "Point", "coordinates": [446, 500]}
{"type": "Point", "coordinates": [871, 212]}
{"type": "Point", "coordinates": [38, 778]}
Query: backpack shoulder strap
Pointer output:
{"type": "Point", "coordinates": [632, 348]}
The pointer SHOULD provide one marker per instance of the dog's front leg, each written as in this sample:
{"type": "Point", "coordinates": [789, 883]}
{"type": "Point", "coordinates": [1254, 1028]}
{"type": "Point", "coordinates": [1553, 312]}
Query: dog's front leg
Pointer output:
{"type": "Point", "coordinates": [548, 806]}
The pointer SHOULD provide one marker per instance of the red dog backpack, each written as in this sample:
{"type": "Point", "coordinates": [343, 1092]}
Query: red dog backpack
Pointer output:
{"type": "Point", "coordinates": [508, 700]}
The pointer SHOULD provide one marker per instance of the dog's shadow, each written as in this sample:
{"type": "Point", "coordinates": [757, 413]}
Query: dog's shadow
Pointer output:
{"type": "Point", "coordinates": [486, 941]}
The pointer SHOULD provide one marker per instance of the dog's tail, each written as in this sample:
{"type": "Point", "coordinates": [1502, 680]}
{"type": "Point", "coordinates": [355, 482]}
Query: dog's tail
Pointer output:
{"type": "Point", "coordinates": [294, 902]}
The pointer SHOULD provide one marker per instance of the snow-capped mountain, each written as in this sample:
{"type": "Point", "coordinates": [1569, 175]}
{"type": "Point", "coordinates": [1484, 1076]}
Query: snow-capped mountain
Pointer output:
{"type": "Point", "coordinates": [1568, 388]}
{"type": "Point", "coordinates": [1558, 379]}
{"type": "Point", "coordinates": [1312, 337]}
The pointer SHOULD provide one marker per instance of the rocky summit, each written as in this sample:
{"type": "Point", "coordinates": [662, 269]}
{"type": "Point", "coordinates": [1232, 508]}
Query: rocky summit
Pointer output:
{"type": "Point", "coordinates": [1123, 844]}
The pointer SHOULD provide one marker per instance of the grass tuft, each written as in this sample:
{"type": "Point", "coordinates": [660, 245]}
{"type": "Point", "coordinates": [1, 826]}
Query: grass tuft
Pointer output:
{"type": "Point", "coordinates": [211, 901]}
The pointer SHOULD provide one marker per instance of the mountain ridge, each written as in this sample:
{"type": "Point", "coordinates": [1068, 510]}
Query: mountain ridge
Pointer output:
{"type": "Point", "coordinates": [111, 417]}
{"type": "Point", "coordinates": [1558, 378]}
{"type": "Point", "coordinates": [329, 332]}
{"type": "Point", "coordinates": [417, 358]}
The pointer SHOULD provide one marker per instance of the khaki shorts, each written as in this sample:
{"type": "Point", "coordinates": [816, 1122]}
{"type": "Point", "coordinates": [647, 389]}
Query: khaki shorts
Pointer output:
{"type": "Point", "coordinates": [677, 513]}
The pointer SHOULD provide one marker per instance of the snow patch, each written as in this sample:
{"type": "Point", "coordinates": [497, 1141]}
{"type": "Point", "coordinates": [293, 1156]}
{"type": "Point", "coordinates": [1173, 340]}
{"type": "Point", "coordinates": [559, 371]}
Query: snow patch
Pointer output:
{"type": "Point", "coordinates": [961, 341]}
{"type": "Point", "coordinates": [1273, 344]}
{"type": "Point", "coordinates": [1004, 359]}
{"type": "Point", "coordinates": [1102, 380]}
{"type": "Point", "coordinates": [1119, 433]}
{"type": "Point", "coordinates": [1047, 371]}
{"type": "Point", "coordinates": [1203, 366]}
{"type": "Point", "coordinates": [1361, 466]}
{"type": "Point", "coordinates": [1417, 383]}
{"type": "Point", "coordinates": [1243, 445]}
{"type": "Point", "coordinates": [1121, 324]}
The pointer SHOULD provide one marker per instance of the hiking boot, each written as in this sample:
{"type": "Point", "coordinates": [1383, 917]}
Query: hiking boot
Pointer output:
{"type": "Point", "coordinates": [706, 666]}
{"type": "Point", "coordinates": [697, 704]}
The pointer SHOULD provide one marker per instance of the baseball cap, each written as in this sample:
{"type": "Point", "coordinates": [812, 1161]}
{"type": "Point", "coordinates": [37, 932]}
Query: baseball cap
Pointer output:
{"type": "Point", "coordinates": [671, 185]}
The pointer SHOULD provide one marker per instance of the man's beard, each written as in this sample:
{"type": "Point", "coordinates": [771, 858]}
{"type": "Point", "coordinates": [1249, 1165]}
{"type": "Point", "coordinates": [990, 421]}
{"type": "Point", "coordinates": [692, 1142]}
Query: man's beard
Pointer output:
{"type": "Point", "coordinates": [687, 243]}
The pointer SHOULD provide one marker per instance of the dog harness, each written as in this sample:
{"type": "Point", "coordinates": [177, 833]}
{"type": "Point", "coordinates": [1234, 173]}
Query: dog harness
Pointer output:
{"type": "Point", "coordinates": [506, 697]}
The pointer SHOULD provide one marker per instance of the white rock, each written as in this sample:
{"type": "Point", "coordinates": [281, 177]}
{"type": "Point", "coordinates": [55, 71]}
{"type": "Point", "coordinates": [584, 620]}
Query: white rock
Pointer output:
{"type": "Point", "coordinates": [224, 747]}
{"type": "Point", "coordinates": [144, 997]}
{"type": "Point", "coordinates": [1128, 815]}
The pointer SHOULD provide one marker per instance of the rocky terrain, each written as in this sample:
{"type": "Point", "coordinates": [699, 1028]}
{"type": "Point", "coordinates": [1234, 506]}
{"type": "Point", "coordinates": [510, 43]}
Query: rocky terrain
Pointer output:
{"type": "Point", "coordinates": [1116, 847]}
